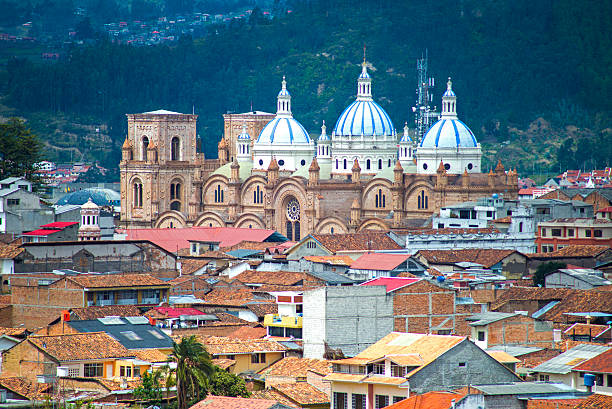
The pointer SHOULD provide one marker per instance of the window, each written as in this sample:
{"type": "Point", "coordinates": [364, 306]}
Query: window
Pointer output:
{"type": "Point", "coordinates": [422, 200]}
{"type": "Point", "coordinates": [137, 195]}
{"type": "Point", "coordinates": [175, 149]}
{"type": "Point", "coordinates": [368, 164]}
{"type": "Point", "coordinates": [136, 372]}
{"type": "Point", "coordinates": [258, 195]}
{"type": "Point", "coordinates": [344, 163]}
{"type": "Point", "coordinates": [398, 399]}
{"type": "Point", "coordinates": [597, 233]}
{"type": "Point", "coordinates": [359, 401]}
{"type": "Point", "coordinates": [194, 247]}
{"type": "Point", "coordinates": [125, 371]}
{"type": "Point", "coordinates": [555, 232]}
{"type": "Point", "coordinates": [311, 245]}
{"type": "Point", "coordinates": [481, 335]}
{"type": "Point", "coordinates": [258, 358]}
{"type": "Point", "coordinates": [12, 202]}
{"type": "Point", "coordinates": [281, 162]}
{"type": "Point", "coordinates": [131, 335]}
{"type": "Point", "coordinates": [145, 145]}
{"type": "Point", "coordinates": [520, 227]}
{"type": "Point", "coordinates": [462, 364]}
{"type": "Point", "coordinates": [379, 163]}
{"type": "Point", "coordinates": [570, 232]}
{"type": "Point", "coordinates": [587, 233]}
{"type": "Point", "coordinates": [398, 371]}
{"type": "Point", "coordinates": [489, 213]}
{"type": "Point", "coordinates": [378, 369]}
{"type": "Point", "coordinates": [380, 199]}
{"type": "Point", "coordinates": [340, 400]}
{"type": "Point", "coordinates": [609, 380]}
{"type": "Point", "coordinates": [219, 194]}
{"type": "Point", "coordinates": [381, 401]}
{"type": "Point", "coordinates": [544, 378]}
{"type": "Point", "coordinates": [543, 232]}
{"type": "Point", "coordinates": [73, 372]}
{"type": "Point", "coordinates": [93, 370]}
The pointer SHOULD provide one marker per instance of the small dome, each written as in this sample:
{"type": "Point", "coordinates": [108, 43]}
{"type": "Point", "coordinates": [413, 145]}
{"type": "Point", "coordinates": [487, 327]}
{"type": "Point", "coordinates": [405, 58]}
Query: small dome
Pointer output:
{"type": "Point", "coordinates": [90, 205]}
{"type": "Point", "coordinates": [364, 118]}
{"type": "Point", "coordinates": [324, 137]}
{"type": "Point", "coordinates": [405, 137]}
{"type": "Point", "coordinates": [449, 133]}
{"type": "Point", "coordinates": [101, 197]}
{"type": "Point", "coordinates": [285, 131]}
{"type": "Point", "coordinates": [244, 135]}
{"type": "Point", "coordinates": [284, 92]}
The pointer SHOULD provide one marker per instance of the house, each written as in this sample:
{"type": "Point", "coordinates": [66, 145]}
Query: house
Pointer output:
{"type": "Point", "coordinates": [8, 253]}
{"type": "Point", "coordinates": [587, 256]}
{"type": "Point", "coordinates": [510, 263]}
{"type": "Point", "coordinates": [295, 370]}
{"type": "Point", "coordinates": [426, 307]}
{"type": "Point", "coordinates": [226, 402]}
{"type": "Point", "coordinates": [249, 356]}
{"type": "Point", "coordinates": [373, 265]}
{"type": "Point", "coordinates": [345, 318]}
{"type": "Point", "coordinates": [22, 210]}
{"type": "Point", "coordinates": [56, 231]}
{"type": "Point", "coordinates": [429, 400]}
{"type": "Point", "coordinates": [335, 264]}
{"type": "Point", "coordinates": [36, 301]}
{"type": "Point", "coordinates": [588, 333]}
{"type": "Point", "coordinates": [198, 286]}
{"type": "Point", "coordinates": [560, 368]}
{"type": "Point", "coordinates": [349, 244]}
{"type": "Point", "coordinates": [16, 182]}
{"type": "Point", "coordinates": [577, 278]}
{"type": "Point", "coordinates": [502, 328]}
{"type": "Point", "coordinates": [598, 197]}
{"type": "Point", "coordinates": [298, 395]}
{"type": "Point", "coordinates": [179, 317]}
{"type": "Point", "coordinates": [558, 233]}
{"type": "Point", "coordinates": [131, 332]}
{"type": "Point", "coordinates": [401, 364]}
{"type": "Point", "coordinates": [86, 355]}
{"type": "Point", "coordinates": [287, 322]}
{"type": "Point", "coordinates": [601, 367]}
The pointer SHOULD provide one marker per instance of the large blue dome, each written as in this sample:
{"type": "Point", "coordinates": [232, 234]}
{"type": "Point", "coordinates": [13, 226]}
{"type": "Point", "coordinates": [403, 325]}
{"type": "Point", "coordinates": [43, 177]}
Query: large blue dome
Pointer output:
{"type": "Point", "coordinates": [449, 133]}
{"type": "Point", "coordinates": [365, 118]}
{"type": "Point", "coordinates": [283, 130]}
{"type": "Point", "coordinates": [101, 197]}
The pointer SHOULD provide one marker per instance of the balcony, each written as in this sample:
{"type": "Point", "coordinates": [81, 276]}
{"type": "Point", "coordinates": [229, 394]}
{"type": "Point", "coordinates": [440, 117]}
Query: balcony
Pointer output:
{"type": "Point", "coordinates": [285, 321]}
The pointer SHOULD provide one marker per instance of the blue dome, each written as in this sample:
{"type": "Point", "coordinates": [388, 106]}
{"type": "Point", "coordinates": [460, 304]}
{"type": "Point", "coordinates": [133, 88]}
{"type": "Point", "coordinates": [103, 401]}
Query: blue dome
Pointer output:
{"type": "Point", "coordinates": [101, 197]}
{"type": "Point", "coordinates": [244, 136]}
{"type": "Point", "coordinates": [449, 133]}
{"type": "Point", "coordinates": [449, 93]}
{"type": "Point", "coordinates": [364, 118]}
{"type": "Point", "coordinates": [283, 130]}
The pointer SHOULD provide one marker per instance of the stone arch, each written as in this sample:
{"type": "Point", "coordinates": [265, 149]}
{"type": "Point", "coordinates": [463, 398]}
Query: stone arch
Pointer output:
{"type": "Point", "coordinates": [377, 195]}
{"type": "Point", "coordinates": [249, 187]}
{"type": "Point", "coordinates": [212, 184]}
{"type": "Point", "coordinates": [411, 198]}
{"type": "Point", "coordinates": [326, 225]}
{"type": "Point", "coordinates": [373, 223]}
{"type": "Point", "coordinates": [209, 219]}
{"type": "Point", "coordinates": [250, 221]}
{"type": "Point", "coordinates": [285, 192]}
{"type": "Point", "coordinates": [177, 193]}
{"type": "Point", "coordinates": [170, 219]}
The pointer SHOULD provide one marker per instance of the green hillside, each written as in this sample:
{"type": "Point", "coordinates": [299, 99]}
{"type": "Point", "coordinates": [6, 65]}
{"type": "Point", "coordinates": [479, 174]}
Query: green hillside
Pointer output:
{"type": "Point", "coordinates": [512, 62]}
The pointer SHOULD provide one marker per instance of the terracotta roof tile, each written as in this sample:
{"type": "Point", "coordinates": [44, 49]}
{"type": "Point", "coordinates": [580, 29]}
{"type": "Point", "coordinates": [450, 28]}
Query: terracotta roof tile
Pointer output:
{"type": "Point", "coordinates": [596, 401]}
{"type": "Point", "coordinates": [10, 251]}
{"type": "Point", "coordinates": [116, 280]}
{"type": "Point", "coordinates": [233, 296]}
{"type": "Point", "coordinates": [579, 301]}
{"type": "Point", "coordinates": [277, 278]}
{"type": "Point", "coordinates": [249, 245]}
{"type": "Point", "coordinates": [191, 265]}
{"type": "Point", "coordinates": [231, 346]}
{"type": "Point", "coordinates": [261, 309]}
{"type": "Point", "coordinates": [578, 328]}
{"type": "Point", "coordinates": [435, 399]}
{"type": "Point", "coordinates": [112, 385]}
{"type": "Point", "coordinates": [247, 332]}
{"type": "Point", "coordinates": [572, 250]}
{"type": "Point", "coordinates": [485, 257]}
{"type": "Point", "coordinates": [302, 393]}
{"type": "Point", "coordinates": [95, 312]}
{"type": "Point", "coordinates": [223, 363]}
{"type": "Point", "coordinates": [530, 293]}
{"type": "Point", "coordinates": [13, 332]}
{"type": "Point", "coordinates": [297, 367]}
{"type": "Point", "coordinates": [26, 388]}
{"type": "Point", "coordinates": [150, 355]}
{"type": "Point", "coordinates": [553, 403]}
{"type": "Point", "coordinates": [370, 240]}
{"type": "Point", "coordinates": [602, 363]}
{"type": "Point", "coordinates": [225, 402]}
{"type": "Point", "coordinates": [332, 260]}
{"type": "Point", "coordinates": [82, 346]}
{"type": "Point", "coordinates": [271, 394]}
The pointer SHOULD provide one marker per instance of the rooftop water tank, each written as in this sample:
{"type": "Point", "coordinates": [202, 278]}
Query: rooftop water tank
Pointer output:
{"type": "Point", "coordinates": [589, 379]}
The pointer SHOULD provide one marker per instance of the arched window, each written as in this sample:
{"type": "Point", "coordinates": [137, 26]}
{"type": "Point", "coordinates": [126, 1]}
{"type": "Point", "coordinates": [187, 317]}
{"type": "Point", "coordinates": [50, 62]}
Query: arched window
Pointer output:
{"type": "Point", "coordinates": [368, 164]}
{"type": "Point", "coordinates": [344, 163]}
{"type": "Point", "coordinates": [422, 200]}
{"type": "Point", "coordinates": [145, 145]}
{"type": "Point", "coordinates": [176, 205]}
{"type": "Point", "coordinates": [380, 200]}
{"type": "Point", "coordinates": [389, 163]}
{"type": "Point", "coordinates": [219, 194]}
{"type": "Point", "coordinates": [175, 149]}
{"type": "Point", "coordinates": [258, 195]}
{"type": "Point", "coordinates": [292, 223]}
{"type": "Point", "coordinates": [137, 194]}
{"type": "Point", "coordinates": [520, 227]}
{"type": "Point", "coordinates": [336, 163]}
{"type": "Point", "coordinates": [175, 191]}
{"type": "Point", "coordinates": [379, 163]}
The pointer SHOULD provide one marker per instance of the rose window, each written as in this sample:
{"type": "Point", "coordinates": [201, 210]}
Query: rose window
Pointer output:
{"type": "Point", "coordinates": [293, 210]}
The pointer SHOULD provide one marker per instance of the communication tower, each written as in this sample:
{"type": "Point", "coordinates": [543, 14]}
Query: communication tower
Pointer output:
{"type": "Point", "coordinates": [424, 114]}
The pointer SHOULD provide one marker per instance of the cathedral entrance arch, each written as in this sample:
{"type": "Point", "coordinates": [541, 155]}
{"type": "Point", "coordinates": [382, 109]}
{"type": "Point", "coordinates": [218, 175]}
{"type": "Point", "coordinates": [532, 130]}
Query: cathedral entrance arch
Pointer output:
{"type": "Point", "coordinates": [249, 221]}
{"type": "Point", "coordinates": [292, 210]}
{"type": "Point", "coordinates": [170, 220]}
{"type": "Point", "coordinates": [209, 219]}
{"type": "Point", "coordinates": [373, 224]}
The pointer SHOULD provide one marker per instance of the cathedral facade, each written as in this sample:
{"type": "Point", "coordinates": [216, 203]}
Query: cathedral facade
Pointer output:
{"type": "Point", "coordinates": [270, 173]}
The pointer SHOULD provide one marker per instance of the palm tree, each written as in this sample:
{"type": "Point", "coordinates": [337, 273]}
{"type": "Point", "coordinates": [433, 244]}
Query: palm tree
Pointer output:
{"type": "Point", "coordinates": [193, 369]}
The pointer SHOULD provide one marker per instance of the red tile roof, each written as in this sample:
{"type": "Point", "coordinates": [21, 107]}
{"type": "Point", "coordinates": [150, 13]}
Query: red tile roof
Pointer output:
{"type": "Point", "coordinates": [573, 250]}
{"type": "Point", "coordinates": [94, 312]}
{"type": "Point", "coordinates": [596, 401]}
{"type": "Point", "coordinates": [174, 239]}
{"type": "Point", "coordinates": [58, 225]}
{"type": "Point", "coordinates": [40, 232]}
{"type": "Point", "coordinates": [170, 312]}
{"type": "Point", "coordinates": [369, 240]}
{"type": "Point", "coordinates": [81, 346]}
{"type": "Point", "coordinates": [226, 402]}
{"type": "Point", "coordinates": [116, 280]}
{"type": "Point", "coordinates": [379, 261]}
{"type": "Point", "coordinates": [297, 367]}
{"type": "Point", "coordinates": [429, 400]}
{"type": "Point", "coordinates": [392, 283]}
{"type": "Point", "coordinates": [485, 257]}
{"type": "Point", "coordinates": [602, 363]}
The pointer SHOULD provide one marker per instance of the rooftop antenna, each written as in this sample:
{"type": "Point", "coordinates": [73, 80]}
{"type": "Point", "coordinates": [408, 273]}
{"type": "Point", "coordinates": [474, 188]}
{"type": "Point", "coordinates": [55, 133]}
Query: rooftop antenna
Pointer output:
{"type": "Point", "coordinates": [424, 114]}
{"type": "Point", "coordinates": [364, 53]}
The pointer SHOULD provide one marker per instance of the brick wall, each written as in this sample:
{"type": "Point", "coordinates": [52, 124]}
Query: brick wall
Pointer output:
{"type": "Point", "coordinates": [27, 361]}
{"type": "Point", "coordinates": [521, 330]}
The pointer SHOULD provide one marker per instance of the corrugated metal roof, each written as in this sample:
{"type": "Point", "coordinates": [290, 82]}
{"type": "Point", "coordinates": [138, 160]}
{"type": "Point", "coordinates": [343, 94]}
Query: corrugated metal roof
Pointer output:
{"type": "Point", "coordinates": [524, 388]}
{"type": "Point", "coordinates": [563, 364]}
{"type": "Point", "coordinates": [544, 309]}
{"type": "Point", "coordinates": [515, 350]}
{"type": "Point", "coordinates": [331, 278]}
{"type": "Point", "coordinates": [486, 318]}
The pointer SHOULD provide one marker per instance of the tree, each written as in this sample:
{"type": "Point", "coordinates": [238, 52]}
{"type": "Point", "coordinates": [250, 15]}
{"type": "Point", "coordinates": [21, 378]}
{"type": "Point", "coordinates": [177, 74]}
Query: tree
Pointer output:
{"type": "Point", "coordinates": [150, 390]}
{"type": "Point", "coordinates": [193, 371]}
{"type": "Point", "coordinates": [224, 383]}
{"type": "Point", "coordinates": [20, 150]}
{"type": "Point", "coordinates": [544, 269]}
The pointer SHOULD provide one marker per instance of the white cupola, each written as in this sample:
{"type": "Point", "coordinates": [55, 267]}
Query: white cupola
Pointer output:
{"type": "Point", "coordinates": [324, 145]}
{"type": "Point", "coordinates": [406, 148]}
{"type": "Point", "coordinates": [283, 104]}
{"type": "Point", "coordinates": [243, 145]}
{"type": "Point", "coordinates": [90, 222]}
{"type": "Point", "coordinates": [449, 102]}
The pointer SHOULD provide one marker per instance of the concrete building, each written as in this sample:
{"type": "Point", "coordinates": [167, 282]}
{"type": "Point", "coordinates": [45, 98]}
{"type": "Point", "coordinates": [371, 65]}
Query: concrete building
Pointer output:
{"type": "Point", "coordinates": [56, 231]}
{"type": "Point", "coordinates": [14, 182]}
{"type": "Point", "coordinates": [21, 211]}
{"type": "Point", "coordinates": [499, 328]}
{"type": "Point", "coordinates": [576, 278]}
{"type": "Point", "coordinates": [345, 318]}
{"type": "Point", "coordinates": [558, 233]}
{"type": "Point", "coordinates": [560, 368]}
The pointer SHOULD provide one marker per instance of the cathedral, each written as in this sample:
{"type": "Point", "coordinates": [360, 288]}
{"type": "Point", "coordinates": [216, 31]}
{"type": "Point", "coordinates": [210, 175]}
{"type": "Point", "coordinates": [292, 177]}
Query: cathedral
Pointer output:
{"type": "Point", "coordinates": [271, 173]}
